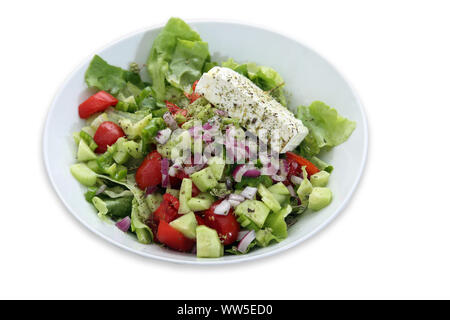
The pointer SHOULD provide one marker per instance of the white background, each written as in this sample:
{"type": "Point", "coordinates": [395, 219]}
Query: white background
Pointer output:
{"type": "Point", "coordinates": [393, 239]}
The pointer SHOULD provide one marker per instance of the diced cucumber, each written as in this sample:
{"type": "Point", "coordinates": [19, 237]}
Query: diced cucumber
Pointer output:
{"type": "Point", "coordinates": [282, 199]}
{"type": "Point", "coordinates": [93, 165]}
{"type": "Point", "coordinates": [202, 202]}
{"type": "Point", "coordinates": [89, 130]}
{"type": "Point", "coordinates": [319, 198]}
{"type": "Point", "coordinates": [304, 190]}
{"type": "Point", "coordinates": [133, 130]}
{"type": "Point", "coordinates": [84, 152]}
{"type": "Point", "coordinates": [255, 210]}
{"type": "Point", "coordinates": [279, 188]}
{"type": "Point", "coordinates": [87, 137]}
{"type": "Point", "coordinates": [119, 207]}
{"type": "Point", "coordinates": [208, 243]}
{"type": "Point", "coordinates": [319, 179]}
{"type": "Point", "coordinates": [76, 137]}
{"type": "Point", "coordinates": [83, 174]}
{"type": "Point", "coordinates": [98, 120]}
{"type": "Point", "coordinates": [185, 196]}
{"type": "Point", "coordinates": [134, 149]}
{"type": "Point", "coordinates": [204, 179]}
{"type": "Point", "coordinates": [268, 198]}
{"type": "Point", "coordinates": [186, 224]}
{"type": "Point", "coordinates": [217, 166]}
{"type": "Point", "coordinates": [153, 201]}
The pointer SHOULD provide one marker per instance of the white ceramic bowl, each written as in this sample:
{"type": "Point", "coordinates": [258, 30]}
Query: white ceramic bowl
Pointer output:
{"type": "Point", "coordinates": [308, 77]}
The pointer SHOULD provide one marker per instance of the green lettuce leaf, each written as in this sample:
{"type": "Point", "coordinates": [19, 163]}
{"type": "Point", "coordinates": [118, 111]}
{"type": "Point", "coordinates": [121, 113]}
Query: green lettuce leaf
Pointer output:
{"type": "Point", "coordinates": [104, 76]}
{"type": "Point", "coordinates": [327, 128]}
{"type": "Point", "coordinates": [264, 77]}
{"type": "Point", "coordinates": [176, 41]}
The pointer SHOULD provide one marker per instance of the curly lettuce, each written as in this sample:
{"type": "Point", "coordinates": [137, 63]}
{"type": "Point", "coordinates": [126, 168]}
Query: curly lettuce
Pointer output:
{"type": "Point", "coordinates": [264, 77]}
{"type": "Point", "coordinates": [178, 56]}
{"type": "Point", "coordinates": [104, 76]}
{"type": "Point", "coordinates": [327, 128]}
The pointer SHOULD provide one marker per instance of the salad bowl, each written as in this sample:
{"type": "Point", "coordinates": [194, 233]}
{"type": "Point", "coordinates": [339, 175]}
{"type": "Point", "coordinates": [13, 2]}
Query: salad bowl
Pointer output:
{"type": "Point", "coordinates": [308, 77]}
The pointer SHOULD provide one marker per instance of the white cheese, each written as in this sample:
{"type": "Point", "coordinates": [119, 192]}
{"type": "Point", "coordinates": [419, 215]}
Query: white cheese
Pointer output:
{"type": "Point", "coordinates": [256, 110]}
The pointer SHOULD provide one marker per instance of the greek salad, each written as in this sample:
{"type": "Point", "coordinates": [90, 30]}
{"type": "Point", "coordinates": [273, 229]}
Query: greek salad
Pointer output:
{"type": "Point", "coordinates": [199, 156]}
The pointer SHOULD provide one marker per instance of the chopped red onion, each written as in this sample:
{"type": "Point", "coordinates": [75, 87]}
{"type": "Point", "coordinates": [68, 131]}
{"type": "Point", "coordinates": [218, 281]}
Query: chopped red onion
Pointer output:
{"type": "Point", "coordinates": [291, 190]}
{"type": "Point", "coordinates": [165, 172]}
{"type": "Point", "coordinates": [278, 178]}
{"type": "Point", "coordinates": [284, 168]}
{"type": "Point", "coordinates": [242, 169]}
{"type": "Point", "coordinates": [193, 169]}
{"type": "Point", "coordinates": [100, 189]}
{"type": "Point", "coordinates": [246, 240]}
{"type": "Point", "coordinates": [241, 235]}
{"type": "Point", "coordinates": [296, 180]}
{"type": "Point", "coordinates": [163, 136]}
{"type": "Point", "coordinates": [124, 224]}
{"type": "Point", "coordinates": [150, 190]}
{"type": "Point", "coordinates": [253, 173]}
{"type": "Point", "coordinates": [220, 112]}
{"type": "Point", "coordinates": [172, 171]}
{"type": "Point", "coordinates": [236, 197]}
{"type": "Point", "coordinates": [269, 170]}
{"type": "Point", "coordinates": [207, 126]}
{"type": "Point", "coordinates": [223, 208]}
{"type": "Point", "coordinates": [170, 121]}
{"type": "Point", "coordinates": [249, 193]}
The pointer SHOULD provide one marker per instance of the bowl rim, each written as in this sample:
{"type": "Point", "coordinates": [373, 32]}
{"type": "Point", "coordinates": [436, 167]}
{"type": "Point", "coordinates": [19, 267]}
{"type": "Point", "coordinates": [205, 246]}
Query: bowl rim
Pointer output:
{"type": "Point", "coordinates": [200, 261]}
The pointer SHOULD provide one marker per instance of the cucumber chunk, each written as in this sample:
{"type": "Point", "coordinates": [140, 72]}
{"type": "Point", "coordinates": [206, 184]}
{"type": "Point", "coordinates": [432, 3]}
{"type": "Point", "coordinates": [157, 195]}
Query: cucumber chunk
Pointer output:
{"type": "Point", "coordinates": [255, 210]}
{"type": "Point", "coordinates": [83, 174]}
{"type": "Point", "coordinates": [217, 166]}
{"type": "Point", "coordinates": [204, 179]}
{"type": "Point", "coordinates": [319, 179]}
{"type": "Point", "coordinates": [208, 243]}
{"type": "Point", "coordinates": [84, 152]}
{"type": "Point", "coordinates": [268, 198]}
{"type": "Point", "coordinates": [319, 198]}
{"type": "Point", "coordinates": [185, 196]}
{"type": "Point", "coordinates": [202, 202]}
{"type": "Point", "coordinates": [279, 188]}
{"type": "Point", "coordinates": [186, 224]}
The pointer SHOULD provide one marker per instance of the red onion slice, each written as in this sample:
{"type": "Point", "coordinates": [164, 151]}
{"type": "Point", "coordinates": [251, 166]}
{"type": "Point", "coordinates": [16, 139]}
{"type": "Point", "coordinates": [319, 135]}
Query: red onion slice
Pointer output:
{"type": "Point", "coordinates": [253, 173]}
{"type": "Point", "coordinates": [241, 235]}
{"type": "Point", "coordinates": [249, 193]}
{"type": "Point", "coordinates": [163, 136]}
{"type": "Point", "coordinates": [296, 180]}
{"type": "Point", "coordinates": [234, 203]}
{"type": "Point", "coordinates": [236, 197]}
{"type": "Point", "coordinates": [124, 224]}
{"type": "Point", "coordinates": [100, 189]}
{"type": "Point", "coordinates": [170, 121]}
{"type": "Point", "coordinates": [223, 208]}
{"type": "Point", "coordinates": [220, 112]}
{"type": "Point", "coordinates": [291, 191]}
{"type": "Point", "coordinates": [246, 240]}
{"type": "Point", "coordinates": [165, 172]}
{"type": "Point", "coordinates": [278, 178]}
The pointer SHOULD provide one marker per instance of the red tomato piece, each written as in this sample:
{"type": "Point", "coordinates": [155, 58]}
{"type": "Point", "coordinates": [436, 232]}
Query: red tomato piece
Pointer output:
{"type": "Point", "coordinates": [200, 220]}
{"type": "Point", "coordinates": [96, 103]}
{"type": "Point", "coordinates": [310, 168]}
{"type": "Point", "coordinates": [173, 238]}
{"type": "Point", "coordinates": [226, 226]}
{"type": "Point", "coordinates": [106, 135]}
{"type": "Point", "coordinates": [149, 172]}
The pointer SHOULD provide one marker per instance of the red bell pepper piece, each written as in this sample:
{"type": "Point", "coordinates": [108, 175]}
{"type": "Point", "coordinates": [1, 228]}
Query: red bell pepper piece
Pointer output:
{"type": "Point", "coordinates": [96, 103]}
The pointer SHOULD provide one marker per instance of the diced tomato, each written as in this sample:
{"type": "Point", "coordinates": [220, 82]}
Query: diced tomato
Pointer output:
{"type": "Point", "coordinates": [106, 135]}
{"type": "Point", "coordinates": [149, 172]}
{"type": "Point", "coordinates": [174, 109]}
{"type": "Point", "coordinates": [173, 238]}
{"type": "Point", "coordinates": [96, 103]}
{"type": "Point", "coordinates": [194, 95]}
{"type": "Point", "coordinates": [195, 190]}
{"type": "Point", "coordinates": [167, 210]}
{"type": "Point", "coordinates": [226, 226]}
{"type": "Point", "coordinates": [310, 168]}
{"type": "Point", "coordinates": [200, 220]}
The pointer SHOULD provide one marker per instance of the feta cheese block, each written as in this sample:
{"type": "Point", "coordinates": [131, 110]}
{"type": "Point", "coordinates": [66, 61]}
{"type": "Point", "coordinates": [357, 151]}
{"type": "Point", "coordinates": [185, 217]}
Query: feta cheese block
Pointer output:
{"type": "Point", "coordinates": [256, 110]}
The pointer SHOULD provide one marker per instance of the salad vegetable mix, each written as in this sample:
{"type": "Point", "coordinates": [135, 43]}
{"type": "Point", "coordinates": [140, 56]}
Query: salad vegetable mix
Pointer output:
{"type": "Point", "coordinates": [205, 158]}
